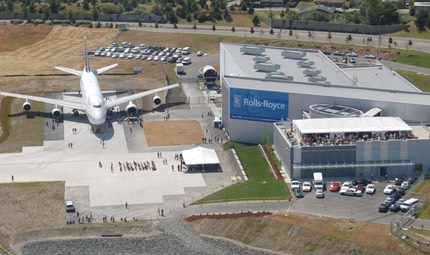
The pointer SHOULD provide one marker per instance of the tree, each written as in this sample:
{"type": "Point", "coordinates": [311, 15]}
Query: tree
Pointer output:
{"type": "Point", "coordinates": [251, 10]}
{"type": "Point", "coordinates": [290, 33]}
{"type": "Point", "coordinates": [271, 31]}
{"type": "Point", "coordinates": [329, 36]}
{"type": "Point", "coordinates": [421, 19]}
{"type": "Point", "coordinates": [156, 24]}
{"type": "Point", "coordinates": [95, 13]}
{"type": "Point", "coordinates": [194, 26]}
{"type": "Point", "coordinates": [256, 21]}
{"type": "Point", "coordinates": [175, 26]}
{"type": "Point", "coordinates": [370, 11]}
{"type": "Point", "coordinates": [98, 25]}
{"type": "Point", "coordinates": [349, 38]}
{"type": "Point", "coordinates": [233, 29]}
{"type": "Point", "coordinates": [85, 5]}
{"type": "Point", "coordinates": [390, 40]}
{"type": "Point", "coordinates": [172, 18]}
{"type": "Point", "coordinates": [213, 28]}
{"type": "Point", "coordinates": [410, 43]}
{"type": "Point", "coordinates": [252, 30]}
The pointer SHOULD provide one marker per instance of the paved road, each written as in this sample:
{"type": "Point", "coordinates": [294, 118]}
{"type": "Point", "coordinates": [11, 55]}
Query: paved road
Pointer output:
{"type": "Point", "coordinates": [302, 35]}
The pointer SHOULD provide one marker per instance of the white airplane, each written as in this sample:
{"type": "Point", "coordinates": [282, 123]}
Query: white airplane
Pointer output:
{"type": "Point", "coordinates": [93, 104]}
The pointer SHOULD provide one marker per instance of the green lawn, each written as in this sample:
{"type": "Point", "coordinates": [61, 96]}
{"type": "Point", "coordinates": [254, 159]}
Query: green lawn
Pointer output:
{"type": "Point", "coordinates": [414, 58]}
{"type": "Point", "coordinates": [420, 81]}
{"type": "Point", "coordinates": [262, 184]}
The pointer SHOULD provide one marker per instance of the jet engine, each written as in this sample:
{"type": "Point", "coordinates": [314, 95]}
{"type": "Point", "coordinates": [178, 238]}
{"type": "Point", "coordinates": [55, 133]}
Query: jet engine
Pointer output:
{"type": "Point", "coordinates": [156, 100]}
{"type": "Point", "coordinates": [26, 106]}
{"type": "Point", "coordinates": [56, 113]}
{"type": "Point", "coordinates": [131, 109]}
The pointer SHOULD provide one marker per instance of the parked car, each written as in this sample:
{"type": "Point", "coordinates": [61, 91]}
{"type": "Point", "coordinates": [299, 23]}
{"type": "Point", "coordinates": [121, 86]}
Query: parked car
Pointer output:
{"type": "Point", "coordinates": [344, 188]}
{"type": "Point", "coordinates": [405, 185]}
{"type": "Point", "coordinates": [360, 181]}
{"type": "Point", "coordinates": [383, 207]}
{"type": "Point", "coordinates": [389, 189]}
{"type": "Point", "coordinates": [200, 53]}
{"type": "Point", "coordinates": [295, 184]}
{"type": "Point", "coordinates": [335, 186]}
{"type": "Point", "coordinates": [352, 55]}
{"type": "Point", "coordinates": [307, 186]}
{"type": "Point", "coordinates": [412, 180]}
{"type": "Point", "coordinates": [352, 60]}
{"type": "Point", "coordinates": [389, 201]}
{"type": "Point", "coordinates": [336, 60]}
{"type": "Point", "coordinates": [370, 189]}
{"type": "Point", "coordinates": [360, 187]}
{"type": "Point", "coordinates": [398, 180]}
{"type": "Point", "coordinates": [395, 207]}
{"type": "Point", "coordinates": [353, 192]}
{"type": "Point", "coordinates": [298, 193]}
{"type": "Point", "coordinates": [401, 191]}
{"type": "Point", "coordinates": [396, 195]}
{"type": "Point", "coordinates": [338, 53]}
{"type": "Point", "coordinates": [319, 193]}
{"type": "Point", "coordinates": [70, 207]}
{"type": "Point", "coordinates": [370, 56]}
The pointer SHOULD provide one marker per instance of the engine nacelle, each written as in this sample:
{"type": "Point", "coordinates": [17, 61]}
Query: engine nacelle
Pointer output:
{"type": "Point", "coordinates": [131, 109]}
{"type": "Point", "coordinates": [156, 100]}
{"type": "Point", "coordinates": [56, 113]}
{"type": "Point", "coordinates": [26, 106]}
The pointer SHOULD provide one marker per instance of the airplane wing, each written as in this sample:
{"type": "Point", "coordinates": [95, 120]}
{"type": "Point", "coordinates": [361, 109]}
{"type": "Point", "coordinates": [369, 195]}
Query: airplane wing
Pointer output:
{"type": "Point", "coordinates": [126, 99]}
{"type": "Point", "coordinates": [60, 102]}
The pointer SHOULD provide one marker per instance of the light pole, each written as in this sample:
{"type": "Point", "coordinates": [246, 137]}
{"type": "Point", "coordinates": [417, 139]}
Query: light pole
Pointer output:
{"type": "Point", "coordinates": [379, 28]}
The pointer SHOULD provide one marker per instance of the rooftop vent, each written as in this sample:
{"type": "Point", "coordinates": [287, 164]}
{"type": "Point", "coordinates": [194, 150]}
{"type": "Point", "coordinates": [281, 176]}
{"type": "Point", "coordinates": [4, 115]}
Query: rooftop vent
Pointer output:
{"type": "Point", "coordinates": [293, 54]}
{"type": "Point", "coordinates": [252, 50]}
{"type": "Point", "coordinates": [279, 77]}
{"type": "Point", "coordinates": [310, 72]}
{"type": "Point", "coordinates": [261, 59]}
{"type": "Point", "coordinates": [267, 67]}
{"type": "Point", "coordinates": [317, 79]}
{"type": "Point", "coordinates": [305, 64]}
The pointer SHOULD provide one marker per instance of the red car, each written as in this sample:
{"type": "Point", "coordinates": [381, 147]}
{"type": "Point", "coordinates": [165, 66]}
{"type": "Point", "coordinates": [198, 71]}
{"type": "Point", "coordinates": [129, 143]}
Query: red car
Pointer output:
{"type": "Point", "coordinates": [335, 186]}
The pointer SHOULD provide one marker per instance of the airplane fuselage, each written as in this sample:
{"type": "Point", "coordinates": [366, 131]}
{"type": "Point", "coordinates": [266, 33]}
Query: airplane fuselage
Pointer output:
{"type": "Point", "coordinates": [95, 107]}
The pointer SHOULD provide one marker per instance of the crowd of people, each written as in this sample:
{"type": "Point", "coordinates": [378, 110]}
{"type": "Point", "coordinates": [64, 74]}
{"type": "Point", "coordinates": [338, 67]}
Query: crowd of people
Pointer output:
{"type": "Point", "coordinates": [135, 166]}
{"type": "Point", "coordinates": [346, 138]}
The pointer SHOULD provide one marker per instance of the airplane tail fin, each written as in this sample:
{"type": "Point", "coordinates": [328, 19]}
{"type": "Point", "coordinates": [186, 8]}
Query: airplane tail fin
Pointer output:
{"type": "Point", "coordinates": [87, 65]}
{"type": "Point", "coordinates": [87, 61]}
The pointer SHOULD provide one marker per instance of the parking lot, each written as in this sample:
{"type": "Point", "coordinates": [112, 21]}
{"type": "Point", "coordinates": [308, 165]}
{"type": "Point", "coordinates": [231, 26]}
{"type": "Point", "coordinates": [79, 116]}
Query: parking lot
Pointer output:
{"type": "Point", "coordinates": [126, 50]}
{"type": "Point", "coordinates": [364, 208]}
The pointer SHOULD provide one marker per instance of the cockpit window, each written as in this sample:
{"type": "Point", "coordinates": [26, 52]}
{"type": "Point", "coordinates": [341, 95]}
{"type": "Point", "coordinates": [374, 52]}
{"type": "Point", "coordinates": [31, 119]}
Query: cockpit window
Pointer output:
{"type": "Point", "coordinates": [97, 106]}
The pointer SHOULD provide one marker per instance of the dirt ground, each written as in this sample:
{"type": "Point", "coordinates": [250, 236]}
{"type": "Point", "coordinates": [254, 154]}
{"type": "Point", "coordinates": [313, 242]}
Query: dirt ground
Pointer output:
{"type": "Point", "coordinates": [172, 132]}
{"type": "Point", "coordinates": [29, 207]}
{"type": "Point", "coordinates": [306, 234]}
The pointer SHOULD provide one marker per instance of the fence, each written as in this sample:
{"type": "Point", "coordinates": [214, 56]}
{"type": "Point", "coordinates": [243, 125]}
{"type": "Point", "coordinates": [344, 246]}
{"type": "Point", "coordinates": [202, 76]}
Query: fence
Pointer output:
{"type": "Point", "coordinates": [332, 27]}
{"type": "Point", "coordinates": [407, 234]}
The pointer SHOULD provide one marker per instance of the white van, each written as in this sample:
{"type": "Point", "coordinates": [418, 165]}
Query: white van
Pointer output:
{"type": "Point", "coordinates": [186, 51]}
{"type": "Point", "coordinates": [408, 204]}
{"type": "Point", "coordinates": [186, 61]}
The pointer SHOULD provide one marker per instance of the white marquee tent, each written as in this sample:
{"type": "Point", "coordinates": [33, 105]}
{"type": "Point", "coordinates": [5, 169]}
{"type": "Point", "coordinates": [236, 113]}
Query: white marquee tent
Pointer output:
{"type": "Point", "coordinates": [200, 156]}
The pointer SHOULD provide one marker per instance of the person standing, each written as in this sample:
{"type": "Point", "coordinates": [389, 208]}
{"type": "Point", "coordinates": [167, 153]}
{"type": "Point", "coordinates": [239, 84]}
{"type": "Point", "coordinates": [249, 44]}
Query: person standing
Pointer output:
{"type": "Point", "coordinates": [126, 205]}
{"type": "Point", "coordinates": [13, 178]}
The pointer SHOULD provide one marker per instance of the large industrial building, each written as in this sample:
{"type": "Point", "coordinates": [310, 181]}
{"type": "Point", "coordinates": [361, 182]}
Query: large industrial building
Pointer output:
{"type": "Point", "coordinates": [351, 121]}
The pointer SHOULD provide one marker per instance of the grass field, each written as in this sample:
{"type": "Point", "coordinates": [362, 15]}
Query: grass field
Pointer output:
{"type": "Point", "coordinates": [414, 58]}
{"type": "Point", "coordinates": [262, 184]}
{"type": "Point", "coordinates": [421, 81]}
{"type": "Point", "coordinates": [424, 211]}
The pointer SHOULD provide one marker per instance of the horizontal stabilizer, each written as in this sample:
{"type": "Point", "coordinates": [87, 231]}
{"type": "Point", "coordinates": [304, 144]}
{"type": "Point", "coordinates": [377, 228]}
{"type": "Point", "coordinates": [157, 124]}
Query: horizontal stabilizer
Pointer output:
{"type": "Point", "coordinates": [104, 69]}
{"type": "Point", "coordinates": [69, 70]}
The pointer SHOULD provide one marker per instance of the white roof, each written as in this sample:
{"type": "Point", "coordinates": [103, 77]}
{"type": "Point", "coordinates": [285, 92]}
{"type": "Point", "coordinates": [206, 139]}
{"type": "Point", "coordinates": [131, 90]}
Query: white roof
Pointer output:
{"type": "Point", "coordinates": [200, 156]}
{"type": "Point", "coordinates": [351, 125]}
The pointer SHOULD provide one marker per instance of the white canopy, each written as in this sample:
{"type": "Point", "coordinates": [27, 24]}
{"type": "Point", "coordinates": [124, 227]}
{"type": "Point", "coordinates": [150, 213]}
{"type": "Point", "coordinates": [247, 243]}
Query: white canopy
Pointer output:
{"type": "Point", "coordinates": [351, 125]}
{"type": "Point", "coordinates": [200, 156]}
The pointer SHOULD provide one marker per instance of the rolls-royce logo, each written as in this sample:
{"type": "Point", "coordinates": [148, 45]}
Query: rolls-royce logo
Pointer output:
{"type": "Point", "coordinates": [237, 101]}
